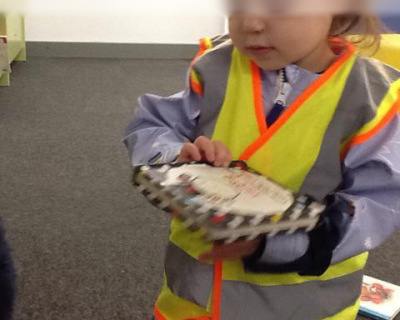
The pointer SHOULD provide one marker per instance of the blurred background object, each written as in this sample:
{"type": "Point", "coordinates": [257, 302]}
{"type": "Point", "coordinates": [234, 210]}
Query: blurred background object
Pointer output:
{"type": "Point", "coordinates": [12, 43]}
{"type": "Point", "coordinates": [392, 21]}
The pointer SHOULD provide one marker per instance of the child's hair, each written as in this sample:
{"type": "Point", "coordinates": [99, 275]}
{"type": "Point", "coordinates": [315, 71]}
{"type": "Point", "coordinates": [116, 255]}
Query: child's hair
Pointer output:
{"type": "Point", "coordinates": [364, 30]}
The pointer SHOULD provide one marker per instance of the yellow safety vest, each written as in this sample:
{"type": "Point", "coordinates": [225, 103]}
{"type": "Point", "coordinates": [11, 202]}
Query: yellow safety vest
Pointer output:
{"type": "Point", "coordinates": [285, 152]}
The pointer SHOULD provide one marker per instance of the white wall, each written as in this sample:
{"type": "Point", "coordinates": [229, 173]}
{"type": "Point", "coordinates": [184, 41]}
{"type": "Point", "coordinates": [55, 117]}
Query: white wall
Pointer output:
{"type": "Point", "coordinates": [123, 21]}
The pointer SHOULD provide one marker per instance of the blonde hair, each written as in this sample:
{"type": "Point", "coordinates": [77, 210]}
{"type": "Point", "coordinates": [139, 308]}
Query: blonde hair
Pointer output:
{"type": "Point", "coordinates": [364, 31]}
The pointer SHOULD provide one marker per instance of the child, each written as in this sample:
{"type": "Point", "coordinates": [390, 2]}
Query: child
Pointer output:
{"type": "Point", "coordinates": [291, 97]}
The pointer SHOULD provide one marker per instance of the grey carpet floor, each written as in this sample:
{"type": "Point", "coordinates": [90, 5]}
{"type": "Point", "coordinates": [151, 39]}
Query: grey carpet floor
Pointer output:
{"type": "Point", "coordinates": [85, 245]}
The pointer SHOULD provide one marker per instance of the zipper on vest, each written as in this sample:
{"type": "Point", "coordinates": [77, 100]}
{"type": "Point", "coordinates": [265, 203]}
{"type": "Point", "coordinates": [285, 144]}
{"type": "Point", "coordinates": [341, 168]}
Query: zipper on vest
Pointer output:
{"type": "Point", "coordinates": [280, 102]}
{"type": "Point", "coordinates": [284, 88]}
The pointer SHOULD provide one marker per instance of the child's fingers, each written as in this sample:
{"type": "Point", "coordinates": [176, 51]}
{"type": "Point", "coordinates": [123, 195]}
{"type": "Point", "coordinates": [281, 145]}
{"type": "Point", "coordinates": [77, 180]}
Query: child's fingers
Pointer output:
{"type": "Point", "coordinates": [206, 148]}
{"type": "Point", "coordinates": [223, 156]}
{"type": "Point", "coordinates": [189, 152]}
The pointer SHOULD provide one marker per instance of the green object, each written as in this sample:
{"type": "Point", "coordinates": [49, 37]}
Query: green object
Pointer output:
{"type": "Point", "coordinates": [12, 27]}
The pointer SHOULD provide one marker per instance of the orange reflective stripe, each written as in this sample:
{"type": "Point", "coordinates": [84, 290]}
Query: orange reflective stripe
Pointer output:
{"type": "Point", "coordinates": [158, 314]}
{"type": "Point", "coordinates": [394, 110]}
{"type": "Point", "coordinates": [258, 98]}
{"type": "Point", "coordinates": [217, 291]}
{"type": "Point", "coordinates": [299, 102]}
{"type": "Point", "coordinates": [196, 86]}
{"type": "Point", "coordinates": [202, 50]}
{"type": "Point", "coordinates": [205, 44]}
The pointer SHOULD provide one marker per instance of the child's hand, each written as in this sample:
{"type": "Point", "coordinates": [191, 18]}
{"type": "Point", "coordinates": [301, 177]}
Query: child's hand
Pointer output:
{"type": "Point", "coordinates": [203, 149]}
{"type": "Point", "coordinates": [232, 251]}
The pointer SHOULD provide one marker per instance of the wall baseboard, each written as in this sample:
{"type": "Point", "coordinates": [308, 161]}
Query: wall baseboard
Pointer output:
{"type": "Point", "coordinates": [111, 50]}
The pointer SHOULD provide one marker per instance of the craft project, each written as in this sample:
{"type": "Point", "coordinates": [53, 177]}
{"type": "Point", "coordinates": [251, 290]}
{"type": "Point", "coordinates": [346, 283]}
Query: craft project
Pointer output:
{"type": "Point", "coordinates": [227, 204]}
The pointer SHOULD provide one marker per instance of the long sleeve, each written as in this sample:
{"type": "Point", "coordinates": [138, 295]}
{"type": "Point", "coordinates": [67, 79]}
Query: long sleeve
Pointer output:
{"type": "Point", "coordinates": [371, 188]}
{"type": "Point", "coordinates": [161, 126]}
{"type": "Point", "coordinates": [372, 184]}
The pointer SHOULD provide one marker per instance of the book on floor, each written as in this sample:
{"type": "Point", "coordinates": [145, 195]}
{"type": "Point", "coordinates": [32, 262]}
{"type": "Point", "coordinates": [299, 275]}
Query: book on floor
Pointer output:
{"type": "Point", "coordinates": [226, 204]}
{"type": "Point", "coordinates": [379, 299]}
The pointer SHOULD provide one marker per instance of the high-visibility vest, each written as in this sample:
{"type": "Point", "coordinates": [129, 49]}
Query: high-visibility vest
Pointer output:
{"type": "Point", "coordinates": [302, 150]}
{"type": "Point", "coordinates": [388, 52]}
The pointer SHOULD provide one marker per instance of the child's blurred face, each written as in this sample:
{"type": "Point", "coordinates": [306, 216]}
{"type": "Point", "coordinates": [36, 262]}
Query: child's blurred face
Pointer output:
{"type": "Point", "coordinates": [274, 42]}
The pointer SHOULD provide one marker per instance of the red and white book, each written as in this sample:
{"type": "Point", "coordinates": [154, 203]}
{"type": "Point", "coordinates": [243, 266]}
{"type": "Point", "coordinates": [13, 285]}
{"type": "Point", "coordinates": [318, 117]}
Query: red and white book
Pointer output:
{"type": "Point", "coordinates": [379, 299]}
